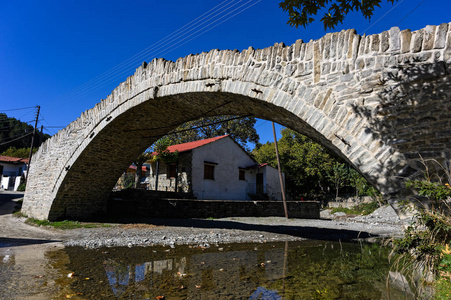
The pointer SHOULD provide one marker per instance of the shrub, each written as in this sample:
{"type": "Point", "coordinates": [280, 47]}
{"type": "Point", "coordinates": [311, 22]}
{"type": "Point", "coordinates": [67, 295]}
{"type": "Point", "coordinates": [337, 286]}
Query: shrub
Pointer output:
{"type": "Point", "coordinates": [359, 209]}
{"type": "Point", "coordinates": [426, 241]}
{"type": "Point", "coordinates": [21, 187]}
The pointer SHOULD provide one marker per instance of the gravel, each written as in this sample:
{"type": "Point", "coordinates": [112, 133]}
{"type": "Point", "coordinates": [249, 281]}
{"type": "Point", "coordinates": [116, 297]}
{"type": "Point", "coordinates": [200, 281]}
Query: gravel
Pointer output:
{"type": "Point", "coordinates": [383, 223]}
{"type": "Point", "coordinates": [202, 232]}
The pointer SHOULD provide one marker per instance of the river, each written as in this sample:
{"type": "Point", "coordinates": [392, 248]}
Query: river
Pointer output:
{"type": "Point", "coordinates": [308, 269]}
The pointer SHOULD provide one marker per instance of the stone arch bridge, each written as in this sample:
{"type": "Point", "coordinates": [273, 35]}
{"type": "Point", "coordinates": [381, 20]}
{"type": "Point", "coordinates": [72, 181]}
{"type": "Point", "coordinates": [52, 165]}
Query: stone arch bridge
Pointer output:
{"type": "Point", "coordinates": [378, 101]}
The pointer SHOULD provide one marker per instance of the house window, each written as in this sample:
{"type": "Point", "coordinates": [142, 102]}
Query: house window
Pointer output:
{"type": "Point", "coordinates": [209, 170]}
{"type": "Point", "coordinates": [241, 175]}
{"type": "Point", "coordinates": [172, 170]}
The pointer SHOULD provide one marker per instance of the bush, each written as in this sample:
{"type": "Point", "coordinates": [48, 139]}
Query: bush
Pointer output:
{"type": "Point", "coordinates": [426, 241]}
{"type": "Point", "coordinates": [359, 209]}
{"type": "Point", "coordinates": [21, 187]}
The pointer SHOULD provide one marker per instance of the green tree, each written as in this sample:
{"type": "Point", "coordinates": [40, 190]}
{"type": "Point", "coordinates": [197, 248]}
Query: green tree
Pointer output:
{"type": "Point", "coordinates": [17, 134]}
{"type": "Point", "coordinates": [301, 12]}
{"type": "Point", "coordinates": [310, 169]}
{"type": "Point", "coordinates": [304, 162]}
{"type": "Point", "coordinates": [18, 152]}
{"type": "Point", "coordinates": [339, 176]}
{"type": "Point", "coordinates": [240, 129]}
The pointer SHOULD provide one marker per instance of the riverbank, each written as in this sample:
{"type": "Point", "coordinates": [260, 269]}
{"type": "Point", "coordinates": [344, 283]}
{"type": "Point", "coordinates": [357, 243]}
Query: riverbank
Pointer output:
{"type": "Point", "coordinates": [27, 252]}
{"type": "Point", "coordinates": [146, 232]}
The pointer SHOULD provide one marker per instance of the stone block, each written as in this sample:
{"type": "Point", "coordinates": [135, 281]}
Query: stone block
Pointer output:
{"type": "Point", "coordinates": [417, 41]}
{"type": "Point", "coordinates": [447, 53]}
{"type": "Point", "coordinates": [428, 37]}
{"type": "Point", "coordinates": [385, 43]}
{"type": "Point", "coordinates": [406, 36]}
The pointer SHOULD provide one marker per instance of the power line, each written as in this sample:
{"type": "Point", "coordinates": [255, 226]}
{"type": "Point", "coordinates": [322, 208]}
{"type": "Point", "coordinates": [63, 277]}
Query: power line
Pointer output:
{"type": "Point", "coordinates": [17, 108]}
{"type": "Point", "coordinates": [132, 60]}
{"type": "Point", "coordinates": [168, 49]}
{"type": "Point", "coordinates": [1, 144]}
{"type": "Point", "coordinates": [410, 12]}
{"type": "Point", "coordinates": [201, 126]}
{"type": "Point", "coordinates": [383, 16]}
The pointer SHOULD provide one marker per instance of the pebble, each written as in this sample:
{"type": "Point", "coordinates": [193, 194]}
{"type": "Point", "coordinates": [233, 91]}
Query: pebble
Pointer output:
{"type": "Point", "coordinates": [383, 222]}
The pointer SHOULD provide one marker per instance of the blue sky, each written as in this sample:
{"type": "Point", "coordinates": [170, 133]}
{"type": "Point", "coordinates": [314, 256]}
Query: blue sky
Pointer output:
{"type": "Point", "coordinates": [68, 55]}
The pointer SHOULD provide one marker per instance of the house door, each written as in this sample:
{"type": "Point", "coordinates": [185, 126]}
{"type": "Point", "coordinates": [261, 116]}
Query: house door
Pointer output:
{"type": "Point", "coordinates": [260, 189]}
{"type": "Point", "coordinates": [11, 183]}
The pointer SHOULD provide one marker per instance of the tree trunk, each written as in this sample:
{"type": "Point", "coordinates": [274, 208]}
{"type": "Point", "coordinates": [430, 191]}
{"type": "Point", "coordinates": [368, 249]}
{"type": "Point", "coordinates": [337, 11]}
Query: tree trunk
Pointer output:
{"type": "Point", "coordinates": [138, 174]}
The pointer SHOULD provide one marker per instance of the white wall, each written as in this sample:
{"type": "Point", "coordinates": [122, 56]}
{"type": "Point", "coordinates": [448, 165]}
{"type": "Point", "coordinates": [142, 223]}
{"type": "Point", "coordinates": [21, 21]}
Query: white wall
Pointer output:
{"type": "Point", "coordinates": [12, 170]}
{"type": "Point", "coordinates": [229, 157]}
{"type": "Point", "coordinates": [272, 182]}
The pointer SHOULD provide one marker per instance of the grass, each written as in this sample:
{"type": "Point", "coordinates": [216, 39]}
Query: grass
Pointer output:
{"type": "Point", "coordinates": [426, 243]}
{"type": "Point", "coordinates": [360, 209]}
{"type": "Point", "coordinates": [66, 224]}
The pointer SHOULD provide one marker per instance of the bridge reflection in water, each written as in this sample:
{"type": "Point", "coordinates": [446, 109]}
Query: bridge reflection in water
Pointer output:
{"type": "Point", "coordinates": [300, 270]}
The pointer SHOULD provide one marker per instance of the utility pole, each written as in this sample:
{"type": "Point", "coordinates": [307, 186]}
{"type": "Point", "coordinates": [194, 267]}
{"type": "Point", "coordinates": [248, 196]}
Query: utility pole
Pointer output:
{"type": "Point", "coordinates": [32, 141]}
{"type": "Point", "coordinates": [280, 173]}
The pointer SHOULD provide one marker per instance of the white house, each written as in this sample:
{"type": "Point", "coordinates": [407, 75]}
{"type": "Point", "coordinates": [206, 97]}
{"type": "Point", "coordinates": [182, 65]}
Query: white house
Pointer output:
{"type": "Point", "coordinates": [11, 170]}
{"type": "Point", "coordinates": [215, 169]}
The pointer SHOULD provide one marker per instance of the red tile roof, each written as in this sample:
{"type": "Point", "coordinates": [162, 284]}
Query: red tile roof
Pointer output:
{"type": "Point", "coordinates": [192, 145]}
{"type": "Point", "coordinates": [14, 160]}
{"type": "Point", "coordinates": [143, 168]}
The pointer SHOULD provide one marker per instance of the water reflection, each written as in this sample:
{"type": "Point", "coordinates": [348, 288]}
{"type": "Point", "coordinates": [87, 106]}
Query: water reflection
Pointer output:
{"type": "Point", "coordinates": [295, 270]}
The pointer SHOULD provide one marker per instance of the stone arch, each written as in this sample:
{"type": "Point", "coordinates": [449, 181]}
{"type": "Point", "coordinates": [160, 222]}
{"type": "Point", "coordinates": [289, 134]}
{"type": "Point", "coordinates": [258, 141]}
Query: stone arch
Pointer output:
{"type": "Point", "coordinates": [357, 95]}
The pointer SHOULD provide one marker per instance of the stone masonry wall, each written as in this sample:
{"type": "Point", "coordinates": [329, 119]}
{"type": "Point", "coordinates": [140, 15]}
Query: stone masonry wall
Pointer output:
{"type": "Point", "coordinates": [379, 101]}
{"type": "Point", "coordinates": [145, 204]}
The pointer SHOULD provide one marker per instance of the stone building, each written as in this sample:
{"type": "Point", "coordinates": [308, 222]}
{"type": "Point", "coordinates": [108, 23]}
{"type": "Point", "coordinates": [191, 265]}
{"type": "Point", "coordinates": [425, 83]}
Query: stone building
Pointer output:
{"type": "Point", "coordinates": [128, 178]}
{"type": "Point", "coordinates": [215, 169]}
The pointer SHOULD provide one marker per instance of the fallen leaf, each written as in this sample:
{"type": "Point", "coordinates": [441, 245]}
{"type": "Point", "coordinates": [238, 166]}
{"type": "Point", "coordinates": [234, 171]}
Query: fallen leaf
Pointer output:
{"type": "Point", "coordinates": [68, 296]}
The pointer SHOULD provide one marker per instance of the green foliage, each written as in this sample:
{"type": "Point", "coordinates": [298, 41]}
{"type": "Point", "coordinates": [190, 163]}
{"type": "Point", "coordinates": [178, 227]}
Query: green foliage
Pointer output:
{"type": "Point", "coordinates": [129, 181]}
{"type": "Point", "coordinates": [162, 153]}
{"type": "Point", "coordinates": [21, 187]}
{"type": "Point", "coordinates": [426, 240]}
{"type": "Point", "coordinates": [66, 224]}
{"type": "Point", "coordinates": [360, 209]}
{"type": "Point", "coordinates": [240, 129]}
{"type": "Point", "coordinates": [443, 284]}
{"type": "Point", "coordinates": [12, 129]}
{"type": "Point", "coordinates": [301, 12]}
{"type": "Point", "coordinates": [309, 168]}
{"type": "Point", "coordinates": [18, 152]}
{"type": "Point", "coordinates": [443, 289]}
{"type": "Point", "coordinates": [435, 191]}
{"type": "Point", "coordinates": [305, 163]}
{"type": "Point", "coordinates": [338, 176]}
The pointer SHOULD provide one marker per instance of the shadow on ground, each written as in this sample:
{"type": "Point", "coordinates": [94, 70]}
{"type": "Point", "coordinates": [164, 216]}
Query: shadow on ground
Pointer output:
{"type": "Point", "coordinates": [13, 242]}
{"type": "Point", "coordinates": [7, 203]}
{"type": "Point", "coordinates": [307, 232]}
